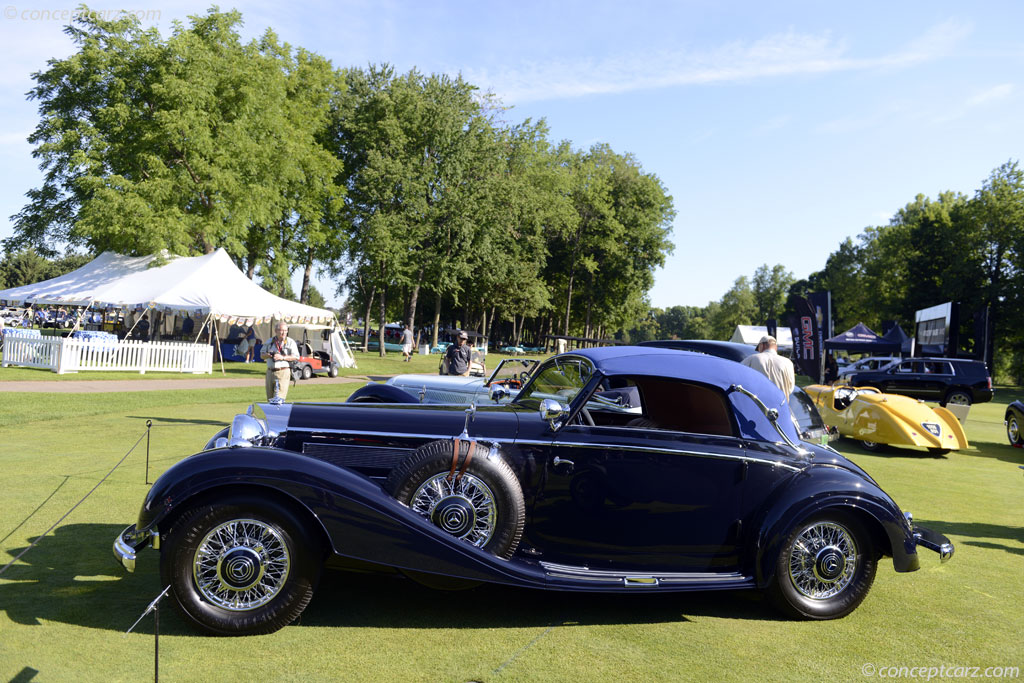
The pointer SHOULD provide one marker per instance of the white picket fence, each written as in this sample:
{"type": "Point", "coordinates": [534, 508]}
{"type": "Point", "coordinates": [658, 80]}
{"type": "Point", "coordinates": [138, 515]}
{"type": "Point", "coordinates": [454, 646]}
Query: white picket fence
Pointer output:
{"type": "Point", "coordinates": [64, 355]}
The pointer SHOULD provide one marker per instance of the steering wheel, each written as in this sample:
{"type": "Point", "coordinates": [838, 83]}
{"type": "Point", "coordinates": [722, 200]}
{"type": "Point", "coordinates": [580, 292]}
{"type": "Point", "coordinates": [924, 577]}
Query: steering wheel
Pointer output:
{"type": "Point", "coordinates": [585, 417]}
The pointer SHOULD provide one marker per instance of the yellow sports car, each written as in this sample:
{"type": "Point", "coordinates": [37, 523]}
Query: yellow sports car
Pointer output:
{"type": "Point", "coordinates": [875, 418]}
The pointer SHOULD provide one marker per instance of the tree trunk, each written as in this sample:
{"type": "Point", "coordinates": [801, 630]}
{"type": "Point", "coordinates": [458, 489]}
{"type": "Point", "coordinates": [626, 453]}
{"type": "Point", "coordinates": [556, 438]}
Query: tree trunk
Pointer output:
{"type": "Point", "coordinates": [366, 319]}
{"type": "Point", "coordinates": [410, 315]}
{"type": "Point", "coordinates": [568, 305]}
{"type": "Point", "coordinates": [307, 274]}
{"type": "Point", "coordinates": [383, 320]}
{"type": "Point", "coordinates": [437, 320]}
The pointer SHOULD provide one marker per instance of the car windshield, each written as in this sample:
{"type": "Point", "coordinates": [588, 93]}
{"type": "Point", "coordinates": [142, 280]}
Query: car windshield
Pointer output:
{"type": "Point", "coordinates": [560, 379]}
{"type": "Point", "coordinates": [513, 368]}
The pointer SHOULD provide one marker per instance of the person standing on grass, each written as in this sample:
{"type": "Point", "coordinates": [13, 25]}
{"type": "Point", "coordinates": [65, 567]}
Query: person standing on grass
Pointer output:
{"type": "Point", "coordinates": [459, 356]}
{"type": "Point", "coordinates": [406, 344]}
{"type": "Point", "coordinates": [769, 363]}
{"type": "Point", "coordinates": [279, 353]}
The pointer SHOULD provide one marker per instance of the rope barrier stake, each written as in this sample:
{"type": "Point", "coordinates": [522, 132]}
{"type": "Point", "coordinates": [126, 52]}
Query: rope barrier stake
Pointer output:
{"type": "Point", "coordinates": [149, 427]}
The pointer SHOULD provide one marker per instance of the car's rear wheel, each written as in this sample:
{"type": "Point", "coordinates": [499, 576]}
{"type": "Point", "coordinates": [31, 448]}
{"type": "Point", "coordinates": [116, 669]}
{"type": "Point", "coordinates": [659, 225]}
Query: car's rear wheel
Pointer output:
{"type": "Point", "coordinates": [957, 397]}
{"type": "Point", "coordinates": [480, 501]}
{"type": "Point", "coordinates": [825, 568]}
{"type": "Point", "coordinates": [872, 446]}
{"type": "Point", "coordinates": [1013, 430]}
{"type": "Point", "coordinates": [240, 566]}
{"type": "Point", "coordinates": [333, 370]}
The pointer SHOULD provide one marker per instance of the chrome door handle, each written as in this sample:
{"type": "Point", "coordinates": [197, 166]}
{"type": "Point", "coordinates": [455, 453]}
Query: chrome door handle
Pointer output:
{"type": "Point", "coordinates": [559, 461]}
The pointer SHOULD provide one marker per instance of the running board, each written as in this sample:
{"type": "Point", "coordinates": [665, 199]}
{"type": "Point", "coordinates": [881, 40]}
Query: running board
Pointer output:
{"type": "Point", "coordinates": [640, 579]}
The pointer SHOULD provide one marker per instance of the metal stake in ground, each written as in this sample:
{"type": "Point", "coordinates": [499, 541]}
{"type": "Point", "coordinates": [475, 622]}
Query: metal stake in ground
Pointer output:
{"type": "Point", "coordinates": [149, 427]}
{"type": "Point", "coordinates": [155, 608]}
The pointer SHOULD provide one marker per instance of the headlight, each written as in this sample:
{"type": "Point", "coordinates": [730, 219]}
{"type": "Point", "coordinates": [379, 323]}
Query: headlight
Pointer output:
{"type": "Point", "coordinates": [246, 431]}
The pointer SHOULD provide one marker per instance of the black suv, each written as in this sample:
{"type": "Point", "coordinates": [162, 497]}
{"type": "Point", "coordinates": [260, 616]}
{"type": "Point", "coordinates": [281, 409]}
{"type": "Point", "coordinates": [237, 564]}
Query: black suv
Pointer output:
{"type": "Point", "coordinates": [946, 380]}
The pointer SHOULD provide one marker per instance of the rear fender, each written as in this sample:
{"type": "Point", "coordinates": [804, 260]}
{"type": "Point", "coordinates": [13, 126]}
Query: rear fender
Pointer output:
{"type": "Point", "coordinates": [824, 488]}
{"type": "Point", "coordinates": [953, 423]}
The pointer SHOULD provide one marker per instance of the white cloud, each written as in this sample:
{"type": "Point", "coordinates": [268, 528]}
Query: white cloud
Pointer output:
{"type": "Point", "coordinates": [785, 54]}
{"type": "Point", "coordinates": [993, 94]}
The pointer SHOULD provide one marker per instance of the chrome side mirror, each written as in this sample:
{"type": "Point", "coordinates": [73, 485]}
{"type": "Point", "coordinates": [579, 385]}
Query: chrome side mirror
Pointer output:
{"type": "Point", "coordinates": [551, 410]}
{"type": "Point", "coordinates": [499, 392]}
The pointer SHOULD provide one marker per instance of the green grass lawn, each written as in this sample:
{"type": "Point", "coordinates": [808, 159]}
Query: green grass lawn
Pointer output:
{"type": "Point", "coordinates": [65, 606]}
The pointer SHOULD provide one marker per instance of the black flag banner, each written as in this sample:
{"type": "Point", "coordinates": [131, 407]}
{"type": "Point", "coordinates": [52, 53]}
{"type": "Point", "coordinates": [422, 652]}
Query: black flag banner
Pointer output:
{"type": "Point", "coordinates": [809, 328]}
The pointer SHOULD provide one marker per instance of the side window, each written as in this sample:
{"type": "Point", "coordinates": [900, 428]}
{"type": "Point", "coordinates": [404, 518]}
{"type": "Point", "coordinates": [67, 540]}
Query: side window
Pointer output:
{"type": "Point", "coordinates": [681, 406]}
{"type": "Point", "coordinates": [905, 367]}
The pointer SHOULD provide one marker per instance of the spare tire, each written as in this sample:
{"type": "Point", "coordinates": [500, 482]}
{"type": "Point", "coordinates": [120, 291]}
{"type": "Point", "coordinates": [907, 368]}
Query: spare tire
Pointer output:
{"type": "Point", "coordinates": [480, 502]}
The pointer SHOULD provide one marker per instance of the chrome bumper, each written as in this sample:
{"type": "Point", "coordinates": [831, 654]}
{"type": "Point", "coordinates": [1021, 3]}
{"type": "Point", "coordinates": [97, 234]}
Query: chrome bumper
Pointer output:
{"type": "Point", "coordinates": [933, 540]}
{"type": "Point", "coordinates": [129, 542]}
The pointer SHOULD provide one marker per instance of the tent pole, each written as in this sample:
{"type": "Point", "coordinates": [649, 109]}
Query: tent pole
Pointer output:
{"type": "Point", "coordinates": [217, 347]}
{"type": "Point", "coordinates": [202, 327]}
{"type": "Point", "coordinates": [78, 320]}
{"type": "Point", "coordinates": [129, 332]}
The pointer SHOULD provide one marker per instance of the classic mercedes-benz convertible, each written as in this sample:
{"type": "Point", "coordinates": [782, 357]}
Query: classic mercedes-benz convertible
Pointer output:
{"type": "Point", "coordinates": [874, 418]}
{"type": "Point", "coordinates": [707, 487]}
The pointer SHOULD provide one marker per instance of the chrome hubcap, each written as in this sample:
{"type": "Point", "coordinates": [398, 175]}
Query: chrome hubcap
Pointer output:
{"type": "Point", "coordinates": [241, 565]}
{"type": "Point", "coordinates": [822, 560]}
{"type": "Point", "coordinates": [959, 400]}
{"type": "Point", "coordinates": [1013, 430]}
{"type": "Point", "coordinates": [464, 508]}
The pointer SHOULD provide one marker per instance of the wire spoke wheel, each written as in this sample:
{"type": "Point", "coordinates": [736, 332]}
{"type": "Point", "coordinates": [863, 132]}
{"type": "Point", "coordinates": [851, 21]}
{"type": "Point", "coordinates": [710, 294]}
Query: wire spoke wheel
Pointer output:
{"type": "Point", "coordinates": [822, 560]}
{"type": "Point", "coordinates": [1013, 430]}
{"type": "Point", "coordinates": [241, 565]}
{"type": "Point", "coordinates": [465, 508]}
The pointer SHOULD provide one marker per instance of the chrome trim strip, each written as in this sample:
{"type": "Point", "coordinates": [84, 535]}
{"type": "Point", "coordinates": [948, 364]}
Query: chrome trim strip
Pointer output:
{"type": "Point", "coordinates": [675, 451]}
{"type": "Point", "coordinates": [636, 578]}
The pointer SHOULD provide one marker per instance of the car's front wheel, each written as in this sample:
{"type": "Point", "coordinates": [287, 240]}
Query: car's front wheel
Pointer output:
{"type": "Point", "coordinates": [1013, 430]}
{"type": "Point", "coordinates": [307, 372]}
{"type": "Point", "coordinates": [872, 446]}
{"type": "Point", "coordinates": [825, 568]}
{"type": "Point", "coordinates": [241, 566]}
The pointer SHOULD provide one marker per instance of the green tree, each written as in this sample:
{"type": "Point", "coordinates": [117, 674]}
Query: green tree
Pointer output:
{"type": "Point", "coordinates": [769, 288]}
{"type": "Point", "coordinates": [183, 144]}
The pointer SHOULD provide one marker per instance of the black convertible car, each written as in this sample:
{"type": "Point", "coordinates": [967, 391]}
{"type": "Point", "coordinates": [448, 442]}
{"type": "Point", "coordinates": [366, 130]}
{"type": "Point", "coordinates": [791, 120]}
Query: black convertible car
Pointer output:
{"type": "Point", "coordinates": [705, 487]}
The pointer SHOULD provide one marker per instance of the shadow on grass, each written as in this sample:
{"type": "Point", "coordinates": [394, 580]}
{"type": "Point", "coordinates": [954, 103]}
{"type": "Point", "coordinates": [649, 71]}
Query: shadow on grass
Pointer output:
{"type": "Point", "coordinates": [361, 600]}
{"type": "Point", "coordinates": [995, 546]}
{"type": "Point", "coordinates": [996, 451]}
{"type": "Point", "coordinates": [976, 530]}
{"type": "Point", "coordinates": [71, 577]}
{"type": "Point", "coordinates": [888, 451]}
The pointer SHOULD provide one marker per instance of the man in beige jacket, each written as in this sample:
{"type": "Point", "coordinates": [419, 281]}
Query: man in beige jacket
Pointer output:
{"type": "Point", "coordinates": [769, 363]}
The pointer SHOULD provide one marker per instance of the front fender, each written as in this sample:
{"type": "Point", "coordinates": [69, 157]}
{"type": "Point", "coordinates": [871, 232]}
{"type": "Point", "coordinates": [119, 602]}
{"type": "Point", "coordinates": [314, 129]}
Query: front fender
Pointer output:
{"type": "Point", "coordinates": [357, 517]}
{"type": "Point", "coordinates": [824, 487]}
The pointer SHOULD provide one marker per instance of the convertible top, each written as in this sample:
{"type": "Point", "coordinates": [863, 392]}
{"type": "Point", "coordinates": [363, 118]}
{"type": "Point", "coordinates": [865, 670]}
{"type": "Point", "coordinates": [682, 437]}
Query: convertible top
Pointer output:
{"type": "Point", "coordinates": [705, 369]}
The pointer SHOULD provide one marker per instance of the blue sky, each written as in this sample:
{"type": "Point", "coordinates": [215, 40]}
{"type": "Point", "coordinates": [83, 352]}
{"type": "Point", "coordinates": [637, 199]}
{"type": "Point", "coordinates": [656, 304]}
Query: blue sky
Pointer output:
{"type": "Point", "coordinates": [779, 128]}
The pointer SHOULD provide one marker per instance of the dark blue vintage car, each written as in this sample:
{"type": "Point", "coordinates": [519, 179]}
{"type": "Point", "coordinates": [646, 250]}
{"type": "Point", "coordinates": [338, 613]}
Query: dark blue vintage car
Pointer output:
{"type": "Point", "coordinates": [706, 487]}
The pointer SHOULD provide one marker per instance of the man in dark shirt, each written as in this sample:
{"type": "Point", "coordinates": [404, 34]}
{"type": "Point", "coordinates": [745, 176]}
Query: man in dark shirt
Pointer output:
{"type": "Point", "coordinates": [459, 356]}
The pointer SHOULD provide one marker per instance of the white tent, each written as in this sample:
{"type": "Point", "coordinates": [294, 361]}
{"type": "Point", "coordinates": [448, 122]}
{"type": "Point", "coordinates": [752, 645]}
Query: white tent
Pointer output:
{"type": "Point", "coordinates": [751, 334]}
{"type": "Point", "coordinates": [200, 285]}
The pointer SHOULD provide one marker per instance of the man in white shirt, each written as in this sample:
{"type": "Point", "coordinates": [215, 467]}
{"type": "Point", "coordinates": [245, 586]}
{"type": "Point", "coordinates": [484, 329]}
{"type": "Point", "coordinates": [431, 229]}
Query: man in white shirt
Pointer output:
{"type": "Point", "coordinates": [406, 344]}
{"type": "Point", "coordinates": [769, 363]}
{"type": "Point", "coordinates": [279, 352]}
